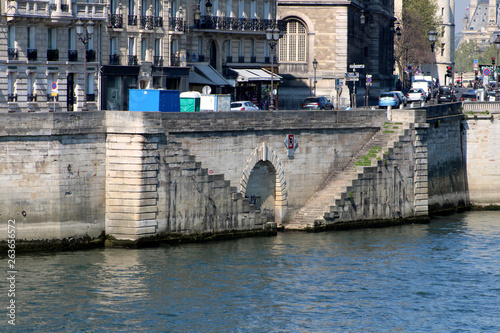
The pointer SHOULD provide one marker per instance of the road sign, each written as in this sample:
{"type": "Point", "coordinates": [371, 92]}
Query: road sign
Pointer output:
{"type": "Point", "coordinates": [357, 66]}
{"type": "Point", "coordinates": [352, 74]}
{"type": "Point", "coordinates": [368, 80]}
{"type": "Point", "coordinates": [54, 88]}
{"type": "Point", "coordinates": [486, 72]}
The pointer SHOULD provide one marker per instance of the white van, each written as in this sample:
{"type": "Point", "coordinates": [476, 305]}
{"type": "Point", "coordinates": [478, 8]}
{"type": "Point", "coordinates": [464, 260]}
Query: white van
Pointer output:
{"type": "Point", "coordinates": [425, 85]}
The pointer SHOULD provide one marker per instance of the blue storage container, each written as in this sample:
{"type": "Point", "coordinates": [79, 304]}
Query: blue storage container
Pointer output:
{"type": "Point", "coordinates": [154, 100]}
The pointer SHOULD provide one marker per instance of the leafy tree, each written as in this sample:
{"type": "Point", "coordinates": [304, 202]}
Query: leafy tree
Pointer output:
{"type": "Point", "coordinates": [413, 47]}
{"type": "Point", "coordinates": [467, 52]}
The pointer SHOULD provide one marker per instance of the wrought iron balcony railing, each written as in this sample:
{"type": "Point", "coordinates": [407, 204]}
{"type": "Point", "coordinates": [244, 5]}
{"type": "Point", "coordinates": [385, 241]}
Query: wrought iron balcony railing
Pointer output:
{"type": "Point", "coordinates": [72, 55]}
{"type": "Point", "coordinates": [31, 97]}
{"type": "Point", "coordinates": [132, 60]}
{"type": "Point", "coordinates": [229, 59]}
{"type": "Point", "coordinates": [90, 97]}
{"type": "Point", "coordinates": [114, 59]}
{"type": "Point", "coordinates": [12, 53]}
{"type": "Point", "coordinates": [175, 60]}
{"type": "Point", "coordinates": [53, 55]}
{"type": "Point", "coordinates": [115, 21]}
{"type": "Point", "coordinates": [157, 61]}
{"type": "Point", "coordinates": [90, 55]}
{"type": "Point", "coordinates": [241, 24]}
{"type": "Point", "coordinates": [176, 24]}
{"type": "Point", "coordinates": [132, 20]}
{"type": "Point", "coordinates": [32, 54]}
{"type": "Point", "coordinates": [12, 97]}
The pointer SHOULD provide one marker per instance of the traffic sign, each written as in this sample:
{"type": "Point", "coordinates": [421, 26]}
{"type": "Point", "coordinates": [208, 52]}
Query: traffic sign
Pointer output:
{"type": "Point", "coordinates": [352, 74]}
{"type": "Point", "coordinates": [357, 66]}
{"type": "Point", "coordinates": [368, 80]}
{"type": "Point", "coordinates": [486, 72]}
{"type": "Point", "coordinates": [54, 88]}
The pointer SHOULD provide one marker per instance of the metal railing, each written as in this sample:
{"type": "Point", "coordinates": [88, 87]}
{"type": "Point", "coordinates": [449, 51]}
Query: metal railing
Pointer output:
{"type": "Point", "coordinates": [241, 24]}
{"type": "Point", "coordinates": [12, 53]}
{"type": "Point", "coordinates": [32, 54]}
{"type": "Point", "coordinates": [114, 59]}
{"type": "Point", "coordinates": [53, 55]}
{"type": "Point", "coordinates": [72, 55]}
{"type": "Point", "coordinates": [115, 21]}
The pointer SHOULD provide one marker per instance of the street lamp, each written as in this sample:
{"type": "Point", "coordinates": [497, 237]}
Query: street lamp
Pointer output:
{"type": "Point", "coordinates": [497, 46]}
{"type": "Point", "coordinates": [84, 39]}
{"type": "Point", "coordinates": [432, 40]}
{"type": "Point", "coordinates": [315, 66]}
{"type": "Point", "coordinates": [272, 36]}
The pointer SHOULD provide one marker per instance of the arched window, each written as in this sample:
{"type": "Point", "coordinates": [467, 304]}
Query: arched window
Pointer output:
{"type": "Point", "coordinates": [293, 46]}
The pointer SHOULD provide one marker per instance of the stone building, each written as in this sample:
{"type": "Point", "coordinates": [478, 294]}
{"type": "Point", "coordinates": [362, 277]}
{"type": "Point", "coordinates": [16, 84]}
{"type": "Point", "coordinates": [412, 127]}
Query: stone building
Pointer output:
{"type": "Point", "coordinates": [481, 22]}
{"type": "Point", "coordinates": [180, 45]}
{"type": "Point", "coordinates": [337, 34]}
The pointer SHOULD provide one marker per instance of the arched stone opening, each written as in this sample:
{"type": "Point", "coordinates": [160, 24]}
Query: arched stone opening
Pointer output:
{"type": "Point", "coordinates": [267, 171]}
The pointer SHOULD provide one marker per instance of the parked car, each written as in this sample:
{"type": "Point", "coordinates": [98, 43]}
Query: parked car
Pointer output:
{"type": "Point", "coordinates": [416, 95]}
{"type": "Point", "coordinates": [401, 96]}
{"type": "Point", "coordinates": [446, 94]}
{"type": "Point", "coordinates": [388, 99]}
{"type": "Point", "coordinates": [243, 106]}
{"type": "Point", "coordinates": [468, 97]}
{"type": "Point", "coordinates": [425, 85]}
{"type": "Point", "coordinates": [317, 103]}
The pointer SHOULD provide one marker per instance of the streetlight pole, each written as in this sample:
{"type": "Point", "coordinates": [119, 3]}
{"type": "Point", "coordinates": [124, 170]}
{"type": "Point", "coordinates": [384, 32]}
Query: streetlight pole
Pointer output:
{"type": "Point", "coordinates": [432, 40]}
{"type": "Point", "coordinates": [84, 39]}
{"type": "Point", "coordinates": [272, 36]}
{"type": "Point", "coordinates": [497, 46]}
{"type": "Point", "coordinates": [315, 66]}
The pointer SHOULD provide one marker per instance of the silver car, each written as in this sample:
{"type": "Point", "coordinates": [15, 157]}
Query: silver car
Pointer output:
{"type": "Point", "coordinates": [416, 95]}
{"type": "Point", "coordinates": [402, 98]}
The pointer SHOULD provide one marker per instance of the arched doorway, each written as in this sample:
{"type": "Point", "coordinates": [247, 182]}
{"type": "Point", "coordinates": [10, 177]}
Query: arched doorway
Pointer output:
{"type": "Point", "coordinates": [213, 55]}
{"type": "Point", "coordinates": [261, 188]}
{"type": "Point", "coordinates": [266, 170]}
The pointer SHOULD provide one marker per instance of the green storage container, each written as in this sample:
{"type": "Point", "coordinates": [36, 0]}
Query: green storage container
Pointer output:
{"type": "Point", "coordinates": [190, 101]}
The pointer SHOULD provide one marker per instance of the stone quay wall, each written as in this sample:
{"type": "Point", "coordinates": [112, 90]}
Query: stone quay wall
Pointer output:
{"type": "Point", "coordinates": [136, 175]}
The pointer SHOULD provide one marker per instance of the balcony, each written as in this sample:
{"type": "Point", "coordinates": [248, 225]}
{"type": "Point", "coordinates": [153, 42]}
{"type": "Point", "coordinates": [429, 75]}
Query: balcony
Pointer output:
{"type": "Point", "coordinates": [114, 59]}
{"type": "Point", "coordinates": [176, 24]}
{"type": "Point", "coordinates": [90, 55]}
{"type": "Point", "coordinates": [241, 59]}
{"type": "Point", "coordinates": [175, 60]}
{"type": "Point", "coordinates": [32, 54]}
{"type": "Point", "coordinates": [240, 24]}
{"type": "Point", "coordinates": [55, 12]}
{"type": "Point", "coordinates": [12, 54]}
{"type": "Point", "coordinates": [229, 59]}
{"type": "Point", "coordinates": [253, 59]}
{"type": "Point", "coordinates": [72, 55]}
{"type": "Point", "coordinates": [115, 21]}
{"type": "Point", "coordinates": [132, 60]}
{"type": "Point", "coordinates": [12, 97]}
{"type": "Point", "coordinates": [90, 97]}
{"type": "Point", "coordinates": [31, 97]}
{"type": "Point", "coordinates": [147, 22]}
{"type": "Point", "coordinates": [157, 61]}
{"type": "Point", "coordinates": [53, 55]}
{"type": "Point", "coordinates": [132, 20]}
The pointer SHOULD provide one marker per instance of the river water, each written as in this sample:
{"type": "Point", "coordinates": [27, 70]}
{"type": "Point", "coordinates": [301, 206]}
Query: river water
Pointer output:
{"type": "Point", "coordinates": [440, 277]}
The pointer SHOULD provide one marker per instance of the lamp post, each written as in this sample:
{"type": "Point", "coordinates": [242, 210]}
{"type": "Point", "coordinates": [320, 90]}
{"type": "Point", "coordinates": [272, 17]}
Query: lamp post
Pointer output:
{"type": "Point", "coordinates": [84, 39]}
{"type": "Point", "coordinates": [272, 36]}
{"type": "Point", "coordinates": [432, 40]}
{"type": "Point", "coordinates": [497, 47]}
{"type": "Point", "coordinates": [315, 66]}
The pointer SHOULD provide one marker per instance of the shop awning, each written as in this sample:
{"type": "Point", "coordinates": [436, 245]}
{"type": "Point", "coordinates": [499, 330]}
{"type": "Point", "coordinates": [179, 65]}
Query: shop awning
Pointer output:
{"type": "Point", "coordinates": [206, 74]}
{"type": "Point", "coordinates": [245, 75]}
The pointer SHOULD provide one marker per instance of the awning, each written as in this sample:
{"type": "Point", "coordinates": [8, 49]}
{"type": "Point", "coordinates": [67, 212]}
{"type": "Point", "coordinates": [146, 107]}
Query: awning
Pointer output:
{"type": "Point", "coordinates": [206, 74]}
{"type": "Point", "coordinates": [245, 75]}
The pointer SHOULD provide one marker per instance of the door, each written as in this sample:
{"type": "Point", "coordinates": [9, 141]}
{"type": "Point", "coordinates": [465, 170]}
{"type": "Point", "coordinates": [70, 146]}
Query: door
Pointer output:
{"type": "Point", "coordinates": [70, 92]}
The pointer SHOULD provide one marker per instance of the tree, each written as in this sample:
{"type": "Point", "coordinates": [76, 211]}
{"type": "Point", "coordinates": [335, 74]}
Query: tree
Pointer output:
{"type": "Point", "coordinates": [467, 52]}
{"type": "Point", "coordinates": [412, 47]}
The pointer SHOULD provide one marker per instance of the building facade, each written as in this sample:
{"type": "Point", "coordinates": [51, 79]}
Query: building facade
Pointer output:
{"type": "Point", "coordinates": [145, 44]}
{"type": "Point", "coordinates": [338, 35]}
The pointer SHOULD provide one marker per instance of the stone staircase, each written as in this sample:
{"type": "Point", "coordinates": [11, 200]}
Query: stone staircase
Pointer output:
{"type": "Point", "coordinates": [337, 183]}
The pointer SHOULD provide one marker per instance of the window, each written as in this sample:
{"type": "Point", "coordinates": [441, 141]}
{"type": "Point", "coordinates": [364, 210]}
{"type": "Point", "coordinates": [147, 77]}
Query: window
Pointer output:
{"type": "Point", "coordinates": [229, 8]}
{"type": "Point", "coordinates": [267, 12]}
{"type": "Point", "coordinates": [11, 37]}
{"type": "Point", "coordinates": [31, 38]}
{"type": "Point", "coordinates": [228, 48]}
{"type": "Point", "coordinates": [113, 49]}
{"type": "Point", "coordinates": [52, 39]}
{"type": "Point", "coordinates": [157, 48]}
{"type": "Point", "coordinates": [293, 47]}
{"type": "Point", "coordinates": [90, 83]}
{"type": "Point", "coordinates": [241, 9]}
{"type": "Point", "coordinates": [131, 7]}
{"type": "Point", "coordinates": [253, 9]}
{"type": "Point", "coordinates": [11, 87]}
{"type": "Point", "coordinates": [144, 49]}
{"type": "Point", "coordinates": [30, 87]}
{"type": "Point", "coordinates": [131, 46]}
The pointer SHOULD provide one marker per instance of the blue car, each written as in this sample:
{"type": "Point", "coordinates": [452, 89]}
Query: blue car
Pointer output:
{"type": "Point", "coordinates": [388, 99]}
